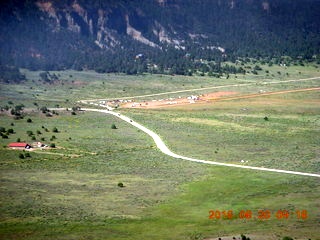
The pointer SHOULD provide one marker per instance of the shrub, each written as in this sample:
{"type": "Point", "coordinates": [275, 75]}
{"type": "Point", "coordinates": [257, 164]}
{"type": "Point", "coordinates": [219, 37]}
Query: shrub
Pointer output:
{"type": "Point", "coordinates": [287, 238]}
{"type": "Point", "coordinates": [13, 112]}
{"type": "Point", "coordinates": [257, 68]}
{"type": "Point", "coordinates": [33, 138]}
{"type": "Point", "coordinates": [55, 130]}
{"type": "Point", "coordinates": [113, 126]}
{"type": "Point", "coordinates": [266, 118]}
{"type": "Point", "coordinates": [76, 108]}
{"type": "Point", "coordinates": [52, 145]}
{"type": "Point", "coordinates": [73, 113]}
{"type": "Point", "coordinates": [21, 156]}
{"type": "Point", "coordinates": [30, 133]}
{"type": "Point", "coordinates": [2, 129]}
{"type": "Point", "coordinates": [27, 155]}
{"type": "Point", "coordinates": [44, 109]}
{"type": "Point", "coordinates": [4, 136]}
{"type": "Point", "coordinates": [10, 131]}
{"type": "Point", "coordinates": [243, 237]}
{"type": "Point", "coordinates": [29, 120]}
{"type": "Point", "coordinates": [38, 132]}
{"type": "Point", "coordinates": [120, 184]}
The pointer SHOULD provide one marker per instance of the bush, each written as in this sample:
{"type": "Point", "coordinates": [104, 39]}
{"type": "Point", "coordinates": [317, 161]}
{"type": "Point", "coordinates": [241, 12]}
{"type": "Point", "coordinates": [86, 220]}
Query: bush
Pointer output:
{"type": "Point", "coordinates": [21, 156]}
{"type": "Point", "coordinates": [266, 118]}
{"type": "Point", "coordinates": [287, 238]}
{"type": "Point", "coordinates": [44, 109]}
{"type": "Point", "coordinates": [55, 130]}
{"type": "Point", "coordinates": [33, 138]}
{"type": "Point", "coordinates": [73, 113]}
{"type": "Point", "coordinates": [30, 133]}
{"type": "Point", "coordinates": [38, 132]}
{"type": "Point", "coordinates": [10, 131]}
{"type": "Point", "coordinates": [113, 126]}
{"type": "Point", "coordinates": [29, 120]}
{"type": "Point", "coordinates": [4, 136]}
{"type": "Point", "coordinates": [76, 108]}
{"type": "Point", "coordinates": [52, 145]}
{"type": "Point", "coordinates": [18, 140]}
{"type": "Point", "coordinates": [243, 237]}
{"type": "Point", "coordinates": [27, 155]}
{"type": "Point", "coordinates": [120, 184]}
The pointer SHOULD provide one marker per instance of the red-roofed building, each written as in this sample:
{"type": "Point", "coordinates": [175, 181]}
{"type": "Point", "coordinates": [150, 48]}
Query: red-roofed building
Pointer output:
{"type": "Point", "coordinates": [19, 145]}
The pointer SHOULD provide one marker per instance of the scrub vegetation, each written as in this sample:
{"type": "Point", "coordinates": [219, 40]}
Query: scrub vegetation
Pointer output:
{"type": "Point", "coordinates": [102, 183]}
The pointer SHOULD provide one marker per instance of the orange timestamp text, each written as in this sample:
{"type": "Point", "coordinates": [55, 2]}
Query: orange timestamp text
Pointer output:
{"type": "Point", "coordinates": [265, 214]}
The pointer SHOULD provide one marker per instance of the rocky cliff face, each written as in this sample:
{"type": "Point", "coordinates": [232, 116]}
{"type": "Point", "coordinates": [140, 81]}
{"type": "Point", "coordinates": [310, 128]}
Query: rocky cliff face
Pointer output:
{"type": "Point", "coordinates": [106, 25]}
{"type": "Point", "coordinates": [228, 27]}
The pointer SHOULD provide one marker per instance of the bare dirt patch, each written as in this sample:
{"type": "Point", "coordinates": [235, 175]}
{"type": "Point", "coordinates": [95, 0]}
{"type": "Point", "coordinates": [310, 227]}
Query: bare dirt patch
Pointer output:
{"type": "Point", "coordinates": [160, 103]}
{"type": "Point", "coordinates": [79, 83]}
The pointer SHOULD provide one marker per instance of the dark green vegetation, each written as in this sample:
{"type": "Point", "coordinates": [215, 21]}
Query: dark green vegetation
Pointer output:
{"type": "Point", "coordinates": [101, 183]}
{"type": "Point", "coordinates": [10, 74]}
{"type": "Point", "coordinates": [177, 37]}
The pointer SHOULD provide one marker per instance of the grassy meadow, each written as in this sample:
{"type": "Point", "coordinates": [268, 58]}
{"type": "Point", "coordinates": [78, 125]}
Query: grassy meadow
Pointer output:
{"type": "Point", "coordinates": [72, 191]}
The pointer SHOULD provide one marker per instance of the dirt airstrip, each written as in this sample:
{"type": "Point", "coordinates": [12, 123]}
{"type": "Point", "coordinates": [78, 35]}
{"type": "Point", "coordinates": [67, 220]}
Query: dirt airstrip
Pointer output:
{"type": "Point", "coordinates": [203, 98]}
{"type": "Point", "coordinates": [159, 103]}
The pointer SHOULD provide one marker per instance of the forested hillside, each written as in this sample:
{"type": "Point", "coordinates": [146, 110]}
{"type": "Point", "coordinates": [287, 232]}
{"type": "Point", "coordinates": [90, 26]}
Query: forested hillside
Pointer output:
{"type": "Point", "coordinates": [158, 36]}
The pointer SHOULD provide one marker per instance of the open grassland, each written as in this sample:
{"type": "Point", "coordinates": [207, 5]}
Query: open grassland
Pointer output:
{"type": "Point", "coordinates": [72, 192]}
{"type": "Point", "coordinates": [236, 130]}
{"type": "Point", "coordinates": [55, 187]}
{"type": "Point", "coordinates": [73, 86]}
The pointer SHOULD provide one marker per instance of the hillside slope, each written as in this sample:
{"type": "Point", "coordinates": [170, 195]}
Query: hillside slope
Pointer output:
{"type": "Point", "coordinates": [108, 35]}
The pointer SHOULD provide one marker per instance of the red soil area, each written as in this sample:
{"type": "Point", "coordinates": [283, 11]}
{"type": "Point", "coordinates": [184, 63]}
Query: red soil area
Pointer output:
{"type": "Point", "coordinates": [160, 103]}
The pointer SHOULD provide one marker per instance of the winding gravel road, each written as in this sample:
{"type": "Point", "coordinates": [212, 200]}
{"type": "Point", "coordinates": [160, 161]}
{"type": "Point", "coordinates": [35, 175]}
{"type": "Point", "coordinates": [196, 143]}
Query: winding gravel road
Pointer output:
{"type": "Point", "coordinates": [163, 148]}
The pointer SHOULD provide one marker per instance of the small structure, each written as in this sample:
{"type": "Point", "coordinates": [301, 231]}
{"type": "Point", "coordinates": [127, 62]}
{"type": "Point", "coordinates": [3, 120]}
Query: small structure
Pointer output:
{"type": "Point", "coordinates": [19, 145]}
{"type": "Point", "coordinates": [193, 98]}
{"type": "Point", "coordinates": [39, 145]}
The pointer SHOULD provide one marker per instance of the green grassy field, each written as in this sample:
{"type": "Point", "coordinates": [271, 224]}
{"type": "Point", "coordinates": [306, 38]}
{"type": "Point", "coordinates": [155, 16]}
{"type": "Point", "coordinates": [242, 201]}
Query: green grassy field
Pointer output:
{"type": "Point", "coordinates": [72, 192]}
{"type": "Point", "coordinates": [73, 86]}
{"type": "Point", "coordinates": [231, 131]}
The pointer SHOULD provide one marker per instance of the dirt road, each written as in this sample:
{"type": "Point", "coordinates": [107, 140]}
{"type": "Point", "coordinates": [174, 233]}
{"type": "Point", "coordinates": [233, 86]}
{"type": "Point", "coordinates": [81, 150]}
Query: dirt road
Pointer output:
{"type": "Point", "coordinates": [265, 94]}
{"type": "Point", "coordinates": [199, 89]}
{"type": "Point", "coordinates": [163, 148]}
